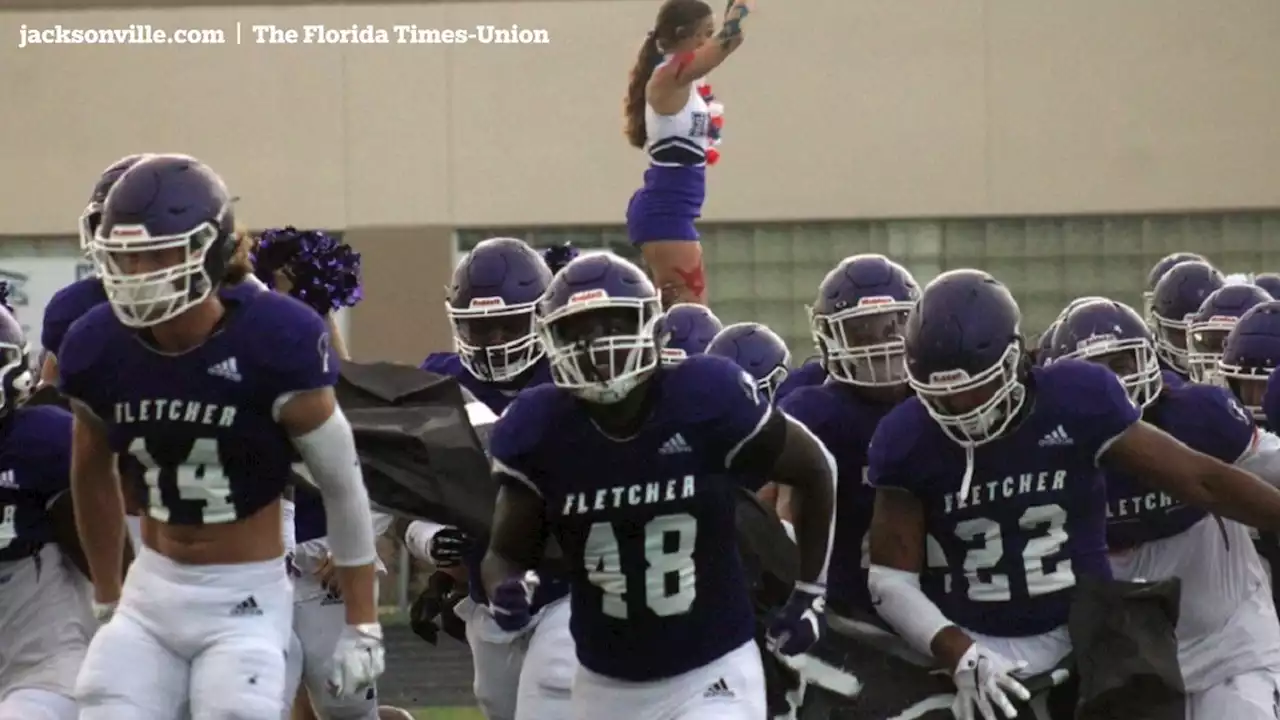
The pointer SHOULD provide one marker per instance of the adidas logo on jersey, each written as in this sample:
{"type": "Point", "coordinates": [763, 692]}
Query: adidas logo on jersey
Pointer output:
{"type": "Point", "coordinates": [1057, 438]}
{"type": "Point", "coordinates": [246, 608]}
{"type": "Point", "coordinates": [226, 369]}
{"type": "Point", "coordinates": [718, 689]}
{"type": "Point", "coordinates": [674, 445]}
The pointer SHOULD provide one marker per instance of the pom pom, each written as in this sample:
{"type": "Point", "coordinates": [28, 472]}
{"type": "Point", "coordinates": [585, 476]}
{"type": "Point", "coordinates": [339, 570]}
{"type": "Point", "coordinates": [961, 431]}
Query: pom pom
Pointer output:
{"type": "Point", "coordinates": [715, 109]}
{"type": "Point", "coordinates": [5, 289]}
{"type": "Point", "coordinates": [557, 256]}
{"type": "Point", "coordinates": [717, 122]}
{"type": "Point", "coordinates": [704, 90]}
{"type": "Point", "coordinates": [713, 156]}
{"type": "Point", "coordinates": [323, 272]}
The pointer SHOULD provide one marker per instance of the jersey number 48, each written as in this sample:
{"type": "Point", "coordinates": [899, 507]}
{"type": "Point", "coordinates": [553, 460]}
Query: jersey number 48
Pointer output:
{"type": "Point", "coordinates": [665, 566]}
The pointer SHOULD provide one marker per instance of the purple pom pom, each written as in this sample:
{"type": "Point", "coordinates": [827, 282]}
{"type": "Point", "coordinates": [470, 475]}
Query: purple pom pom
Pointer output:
{"type": "Point", "coordinates": [325, 273]}
{"type": "Point", "coordinates": [558, 256]}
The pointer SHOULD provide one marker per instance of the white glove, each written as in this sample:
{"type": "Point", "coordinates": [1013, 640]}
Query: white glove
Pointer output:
{"type": "Point", "coordinates": [358, 660]}
{"type": "Point", "coordinates": [985, 679]}
{"type": "Point", "coordinates": [103, 611]}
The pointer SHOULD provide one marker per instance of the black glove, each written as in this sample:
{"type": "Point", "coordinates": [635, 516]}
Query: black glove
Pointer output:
{"type": "Point", "coordinates": [449, 546]}
{"type": "Point", "coordinates": [429, 606]}
{"type": "Point", "coordinates": [450, 623]}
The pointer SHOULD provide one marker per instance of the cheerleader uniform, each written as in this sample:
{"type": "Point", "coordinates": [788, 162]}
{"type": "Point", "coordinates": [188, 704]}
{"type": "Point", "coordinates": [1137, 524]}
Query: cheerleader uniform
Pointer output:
{"type": "Point", "coordinates": [675, 184]}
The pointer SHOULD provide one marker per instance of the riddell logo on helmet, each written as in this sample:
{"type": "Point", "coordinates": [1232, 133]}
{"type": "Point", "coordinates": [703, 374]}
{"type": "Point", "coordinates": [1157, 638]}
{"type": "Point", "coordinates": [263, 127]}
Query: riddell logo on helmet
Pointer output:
{"type": "Point", "coordinates": [1094, 340]}
{"type": "Point", "coordinates": [875, 300]}
{"type": "Point", "coordinates": [948, 376]}
{"type": "Point", "coordinates": [587, 296]}
{"type": "Point", "coordinates": [486, 302]}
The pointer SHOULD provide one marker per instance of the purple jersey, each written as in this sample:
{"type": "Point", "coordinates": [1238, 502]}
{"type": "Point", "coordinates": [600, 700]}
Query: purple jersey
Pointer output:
{"type": "Point", "coordinates": [647, 522]}
{"type": "Point", "coordinates": [1036, 513]}
{"type": "Point", "coordinates": [202, 423]}
{"type": "Point", "coordinates": [1204, 418]}
{"type": "Point", "coordinates": [67, 306]}
{"type": "Point", "coordinates": [844, 421]}
{"type": "Point", "coordinates": [35, 467]}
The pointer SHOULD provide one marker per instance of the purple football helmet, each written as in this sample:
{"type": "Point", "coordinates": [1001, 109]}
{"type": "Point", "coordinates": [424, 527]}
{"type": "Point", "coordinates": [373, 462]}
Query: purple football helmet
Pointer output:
{"type": "Point", "coordinates": [690, 328]}
{"type": "Point", "coordinates": [1178, 296]}
{"type": "Point", "coordinates": [92, 215]}
{"type": "Point", "coordinates": [756, 349]}
{"type": "Point", "coordinates": [166, 238]}
{"type": "Point", "coordinates": [1162, 266]}
{"type": "Point", "coordinates": [601, 326]}
{"type": "Point", "coordinates": [1113, 334]}
{"type": "Point", "coordinates": [858, 320]}
{"type": "Point", "coordinates": [16, 378]}
{"type": "Point", "coordinates": [964, 335]}
{"type": "Point", "coordinates": [493, 307]}
{"type": "Point", "coordinates": [1208, 328]}
{"type": "Point", "coordinates": [1269, 282]}
{"type": "Point", "coordinates": [1251, 354]}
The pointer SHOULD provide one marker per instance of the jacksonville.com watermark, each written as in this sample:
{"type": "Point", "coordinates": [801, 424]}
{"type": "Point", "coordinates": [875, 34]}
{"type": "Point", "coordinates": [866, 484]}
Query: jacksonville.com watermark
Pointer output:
{"type": "Point", "coordinates": [305, 34]}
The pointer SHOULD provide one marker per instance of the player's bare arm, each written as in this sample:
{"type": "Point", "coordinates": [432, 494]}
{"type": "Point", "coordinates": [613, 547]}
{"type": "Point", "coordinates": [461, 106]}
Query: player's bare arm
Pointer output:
{"type": "Point", "coordinates": [802, 466]}
{"type": "Point", "coordinates": [94, 486]}
{"type": "Point", "coordinates": [897, 556]}
{"type": "Point", "coordinates": [49, 370]}
{"type": "Point", "coordinates": [324, 439]}
{"type": "Point", "coordinates": [519, 515]}
{"type": "Point", "coordinates": [1194, 478]}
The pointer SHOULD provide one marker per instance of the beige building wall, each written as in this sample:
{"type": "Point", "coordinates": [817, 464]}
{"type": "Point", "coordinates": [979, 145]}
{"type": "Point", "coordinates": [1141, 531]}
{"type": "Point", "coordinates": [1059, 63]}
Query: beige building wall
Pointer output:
{"type": "Point", "coordinates": [836, 109]}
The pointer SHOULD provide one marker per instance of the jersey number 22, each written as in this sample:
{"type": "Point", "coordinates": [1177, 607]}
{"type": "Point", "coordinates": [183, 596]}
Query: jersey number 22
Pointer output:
{"type": "Point", "coordinates": [1043, 574]}
{"type": "Point", "coordinates": [666, 566]}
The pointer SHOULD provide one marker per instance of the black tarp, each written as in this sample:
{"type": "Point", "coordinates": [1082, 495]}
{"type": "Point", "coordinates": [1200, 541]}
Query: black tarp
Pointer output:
{"type": "Point", "coordinates": [420, 455]}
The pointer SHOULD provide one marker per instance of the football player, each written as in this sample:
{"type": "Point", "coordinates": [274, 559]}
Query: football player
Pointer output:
{"type": "Point", "coordinates": [691, 327]}
{"type": "Point", "coordinates": [989, 477]}
{"type": "Point", "coordinates": [1208, 327]}
{"type": "Point", "coordinates": [73, 301]}
{"type": "Point", "coordinates": [858, 322]}
{"type": "Point", "coordinates": [1162, 266]}
{"type": "Point", "coordinates": [1249, 357]}
{"type": "Point", "coordinates": [628, 464]}
{"type": "Point", "coordinates": [1228, 634]}
{"type": "Point", "coordinates": [45, 615]}
{"type": "Point", "coordinates": [524, 672]}
{"type": "Point", "coordinates": [203, 617]}
{"type": "Point", "coordinates": [756, 349]}
{"type": "Point", "coordinates": [1177, 297]}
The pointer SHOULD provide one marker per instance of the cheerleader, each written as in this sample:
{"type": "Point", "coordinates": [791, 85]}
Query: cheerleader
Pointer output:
{"type": "Point", "coordinates": [669, 116]}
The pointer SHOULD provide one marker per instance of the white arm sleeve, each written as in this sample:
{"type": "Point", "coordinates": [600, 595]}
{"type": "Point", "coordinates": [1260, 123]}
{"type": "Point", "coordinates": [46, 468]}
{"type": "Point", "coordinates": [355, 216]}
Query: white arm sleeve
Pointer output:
{"type": "Point", "coordinates": [897, 597]}
{"type": "Point", "coordinates": [1262, 458]}
{"type": "Point", "coordinates": [329, 453]}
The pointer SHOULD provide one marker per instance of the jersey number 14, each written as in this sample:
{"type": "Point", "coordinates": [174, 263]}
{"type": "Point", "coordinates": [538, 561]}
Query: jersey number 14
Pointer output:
{"type": "Point", "coordinates": [197, 482]}
{"type": "Point", "coordinates": [666, 568]}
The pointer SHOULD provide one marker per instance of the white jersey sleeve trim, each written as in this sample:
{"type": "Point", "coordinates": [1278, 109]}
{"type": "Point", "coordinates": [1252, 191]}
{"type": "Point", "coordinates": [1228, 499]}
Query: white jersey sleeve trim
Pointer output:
{"type": "Point", "coordinates": [499, 467]}
{"type": "Point", "coordinates": [733, 452]}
